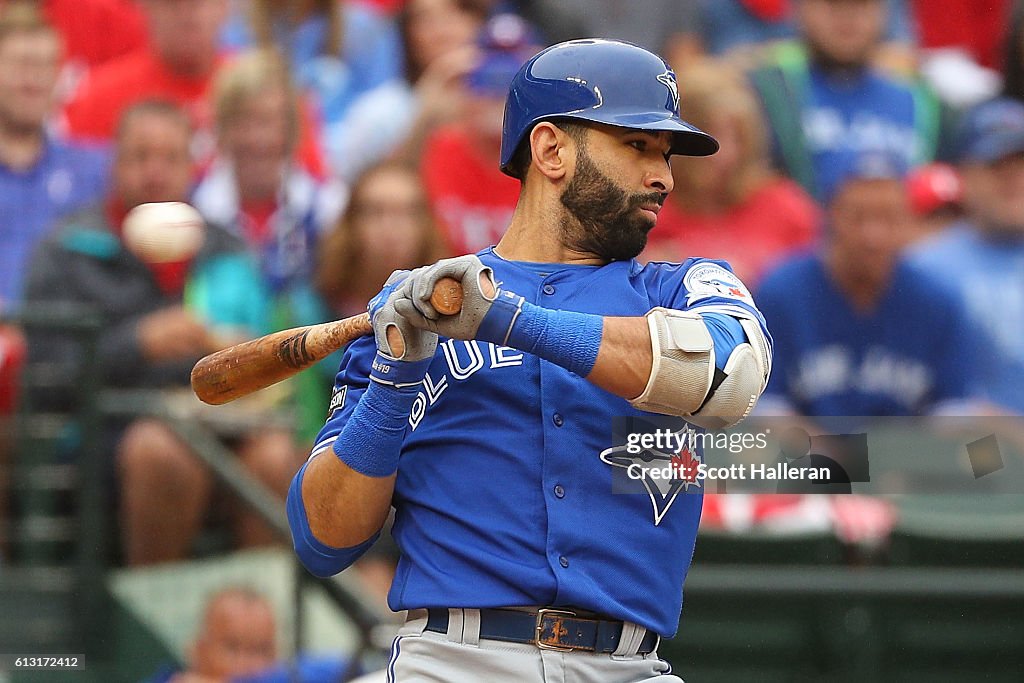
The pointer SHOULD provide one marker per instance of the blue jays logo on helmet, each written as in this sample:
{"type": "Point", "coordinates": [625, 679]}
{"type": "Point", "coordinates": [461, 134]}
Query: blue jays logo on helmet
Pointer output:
{"type": "Point", "coordinates": [669, 79]}
{"type": "Point", "coordinates": [604, 81]}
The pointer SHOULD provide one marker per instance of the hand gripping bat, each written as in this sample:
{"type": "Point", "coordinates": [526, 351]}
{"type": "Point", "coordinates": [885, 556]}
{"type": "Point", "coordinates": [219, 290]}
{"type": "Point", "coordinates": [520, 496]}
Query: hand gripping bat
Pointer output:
{"type": "Point", "coordinates": [256, 364]}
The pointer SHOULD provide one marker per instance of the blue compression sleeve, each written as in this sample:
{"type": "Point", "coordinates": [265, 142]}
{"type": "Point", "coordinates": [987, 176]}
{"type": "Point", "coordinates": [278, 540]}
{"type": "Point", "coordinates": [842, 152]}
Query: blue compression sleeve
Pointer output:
{"type": "Point", "coordinates": [566, 338]}
{"type": "Point", "coordinates": [371, 440]}
{"type": "Point", "coordinates": [321, 560]}
{"type": "Point", "coordinates": [726, 333]}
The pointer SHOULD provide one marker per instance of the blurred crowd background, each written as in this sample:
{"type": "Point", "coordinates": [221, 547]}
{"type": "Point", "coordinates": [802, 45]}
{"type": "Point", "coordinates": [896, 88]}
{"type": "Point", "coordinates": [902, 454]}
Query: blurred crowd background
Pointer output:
{"type": "Point", "coordinates": [869, 191]}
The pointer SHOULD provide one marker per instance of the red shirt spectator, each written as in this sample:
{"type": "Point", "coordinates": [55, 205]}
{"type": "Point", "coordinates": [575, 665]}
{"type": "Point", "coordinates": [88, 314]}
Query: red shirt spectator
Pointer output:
{"type": "Point", "coordinates": [109, 90]}
{"type": "Point", "coordinates": [730, 205]}
{"type": "Point", "coordinates": [96, 31]}
{"type": "Point", "coordinates": [178, 65]}
{"type": "Point", "coordinates": [472, 198]}
{"type": "Point", "coordinates": [776, 219]}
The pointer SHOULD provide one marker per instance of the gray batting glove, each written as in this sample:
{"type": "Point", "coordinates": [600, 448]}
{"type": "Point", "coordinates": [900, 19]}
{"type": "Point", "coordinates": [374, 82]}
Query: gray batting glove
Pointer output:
{"type": "Point", "coordinates": [419, 343]}
{"type": "Point", "coordinates": [413, 297]}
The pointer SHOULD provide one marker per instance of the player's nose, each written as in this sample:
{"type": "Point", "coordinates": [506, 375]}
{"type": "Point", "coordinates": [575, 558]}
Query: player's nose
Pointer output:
{"type": "Point", "coordinates": [659, 177]}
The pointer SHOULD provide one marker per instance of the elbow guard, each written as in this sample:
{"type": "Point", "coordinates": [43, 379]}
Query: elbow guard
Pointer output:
{"type": "Point", "coordinates": [684, 381]}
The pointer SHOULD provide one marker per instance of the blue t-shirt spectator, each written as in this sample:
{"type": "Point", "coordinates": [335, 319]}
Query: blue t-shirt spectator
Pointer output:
{"type": "Point", "coordinates": [988, 276]}
{"type": "Point", "coordinates": [905, 357]}
{"type": "Point", "coordinates": [64, 179]}
{"type": "Point", "coordinates": [818, 118]}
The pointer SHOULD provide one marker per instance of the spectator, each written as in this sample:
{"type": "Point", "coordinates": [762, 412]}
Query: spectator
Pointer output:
{"type": "Point", "coordinates": [42, 178]}
{"type": "Point", "coordinates": [857, 330]}
{"type": "Point", "coordinates": [732, 204]}
{"type": "Point", "coordinates": [729, 26]}
{"type": "Point", "coordinates": [152, 335]}
{"type": "Point", "coordinates": [982, 257]}
{"type": "Point", "coordinates": [472, 198]}
{"type": "Point", "coordinates": [279, 210]}
{"type": "Point", "coordinates": [94, 32]}
{"type": "Point", "coordinates": [396, 117]}
{"type": "Point", "coordinates": [178, 65]}
{"type": "Point", "coordinates": [387, 226]}
{"type": "Point", "coordinates": [237, 643]}
{"type": "Point", "coordinates": [825, 101]}
{"type": "Point", "coordinates": [338, 49]}
{"type": "Point", "coordinates": [252, 187]}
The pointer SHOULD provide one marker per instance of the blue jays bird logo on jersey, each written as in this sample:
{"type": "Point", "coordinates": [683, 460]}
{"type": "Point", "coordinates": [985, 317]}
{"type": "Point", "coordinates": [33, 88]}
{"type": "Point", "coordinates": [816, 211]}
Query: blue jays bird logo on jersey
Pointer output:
{"type": "Point", "coordinates": [663, 473]}
{"type": "Point", "coordinates": [668, 79]}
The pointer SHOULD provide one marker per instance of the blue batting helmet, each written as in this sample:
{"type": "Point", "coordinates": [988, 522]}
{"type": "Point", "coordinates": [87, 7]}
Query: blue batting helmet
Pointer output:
{"type": "Point", "coordinates": [605, 81]}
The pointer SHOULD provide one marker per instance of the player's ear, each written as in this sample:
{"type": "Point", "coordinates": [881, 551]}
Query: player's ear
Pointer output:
{"type": "Point", "coordinates": [553, 150]}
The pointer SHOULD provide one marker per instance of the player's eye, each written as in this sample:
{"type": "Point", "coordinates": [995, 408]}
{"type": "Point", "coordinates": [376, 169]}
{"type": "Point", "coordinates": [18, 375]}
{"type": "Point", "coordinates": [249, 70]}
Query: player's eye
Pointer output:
{"type": "Point", "coordinates": [638, 145]}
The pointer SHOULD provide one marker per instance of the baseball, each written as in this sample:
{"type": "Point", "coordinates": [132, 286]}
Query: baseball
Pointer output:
{"type": "Point", "coordinates": [163, 232]}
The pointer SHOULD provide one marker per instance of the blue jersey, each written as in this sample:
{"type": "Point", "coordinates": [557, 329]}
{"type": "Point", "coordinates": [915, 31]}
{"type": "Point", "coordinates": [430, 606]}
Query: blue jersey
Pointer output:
{"type": "Point", "coordinates": [65, 179]}
{"type": "Point", "coordinates": [988, 278]}
{"type": "Point", "coordinates": [502, 498]}
{"type": "Point", "coordinates": [902, 358]}
{"type": "Point", "coordinates": [844, 117]}
{"type": "Point", "coordinates": [820, 120]}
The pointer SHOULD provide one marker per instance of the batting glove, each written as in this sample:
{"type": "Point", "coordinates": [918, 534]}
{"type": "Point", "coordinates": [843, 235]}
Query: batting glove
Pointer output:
{"type": "Point", "coordinates": [411, 365]}
{"type": "Point", "coordinates": [413, 297]}
{"type": "Point", "coordinates": [567, 338]}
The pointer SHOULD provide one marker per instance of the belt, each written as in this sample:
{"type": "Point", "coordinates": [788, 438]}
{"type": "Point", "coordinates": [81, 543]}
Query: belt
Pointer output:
{"type": "Point", "coordinates": [548, 629]}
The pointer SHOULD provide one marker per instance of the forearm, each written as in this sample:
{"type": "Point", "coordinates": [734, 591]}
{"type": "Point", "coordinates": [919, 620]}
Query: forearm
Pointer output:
{"type": "Point", "coordinates": [615, 353]}
{"type": "Point", "coordinates": [624, 360]}
{"type": "Point", "coordinates": [341, 497]}
{"type": "Point", "coordinates": [343, 507]}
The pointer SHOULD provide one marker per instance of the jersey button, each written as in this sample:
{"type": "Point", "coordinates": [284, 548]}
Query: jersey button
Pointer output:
{"type": "Point", "coordinates": [558, 419]}
{"type": "Point", "coordinates": [564, 561]}
{"type": "Point", "coordinates": [559, 491]}
{"type": "Point", "coordinates": [549, 289]}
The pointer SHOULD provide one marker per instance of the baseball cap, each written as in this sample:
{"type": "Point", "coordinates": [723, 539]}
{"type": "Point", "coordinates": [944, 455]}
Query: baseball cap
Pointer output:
{"type": "Point", "coordinates": [506, 41]}
{"type": "Point", "coordinates": [869, 164]}
{"type": "Point", "coordinates": [933, 187]}
{"type": "Point", "coordinates": [991, 131]}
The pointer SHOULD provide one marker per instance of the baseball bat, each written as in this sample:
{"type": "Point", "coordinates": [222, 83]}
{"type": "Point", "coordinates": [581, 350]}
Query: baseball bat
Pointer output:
{"type": "Point", "coordinates": [241, 369]}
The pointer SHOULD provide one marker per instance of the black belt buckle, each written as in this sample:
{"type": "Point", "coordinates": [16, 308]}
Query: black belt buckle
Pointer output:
{"type": "Point", "coordinates": [550, 629]}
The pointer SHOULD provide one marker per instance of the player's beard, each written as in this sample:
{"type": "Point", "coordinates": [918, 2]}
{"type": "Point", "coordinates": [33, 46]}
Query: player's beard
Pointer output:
{"type": "Point", "coordinates": [604, 219]}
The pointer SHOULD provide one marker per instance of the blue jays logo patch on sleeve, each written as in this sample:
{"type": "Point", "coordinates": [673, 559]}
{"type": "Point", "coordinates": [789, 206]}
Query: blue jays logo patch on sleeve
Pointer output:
{"type": "Point", "coordinates": [707, 280]}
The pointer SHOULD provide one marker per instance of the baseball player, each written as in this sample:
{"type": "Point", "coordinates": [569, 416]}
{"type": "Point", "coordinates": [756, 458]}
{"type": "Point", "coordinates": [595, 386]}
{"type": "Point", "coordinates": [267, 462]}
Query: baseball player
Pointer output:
{"type": "Point", "coordinates": [517, 561]}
